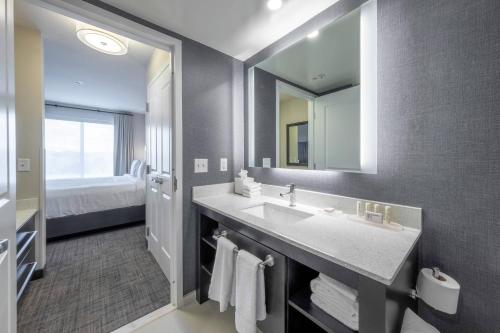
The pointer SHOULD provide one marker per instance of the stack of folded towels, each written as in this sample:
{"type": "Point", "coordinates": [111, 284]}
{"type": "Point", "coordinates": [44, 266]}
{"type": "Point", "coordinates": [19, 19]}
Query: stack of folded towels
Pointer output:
{"type": "Point", "coordinates": [246, 186]}
{"type": "Point", "coordinates": [336, 299]}
{"type": "Point", "coordinates": [251, 189]}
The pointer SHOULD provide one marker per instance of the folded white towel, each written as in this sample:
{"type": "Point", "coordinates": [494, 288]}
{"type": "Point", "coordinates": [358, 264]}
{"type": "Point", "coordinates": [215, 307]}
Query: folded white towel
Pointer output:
{"type": "Point", "coordinates": [251, 192]}
{"type": "Point", "coordinates": [251, 188]}
{"type": "Point", "coordinates": [333, 296]}
{"type": "Point", "coordinates": [251, 195]}
{"type": "Point", "coordinates": [250, 294]}
{"type": "Point", "coordinates": [350, 319]}
{"type": "Point", "coordinates": [347, 291]}
{"type": "Point", "coordinates": [221, 283]}
{"type": "Point", "coordinates": [412, 323]}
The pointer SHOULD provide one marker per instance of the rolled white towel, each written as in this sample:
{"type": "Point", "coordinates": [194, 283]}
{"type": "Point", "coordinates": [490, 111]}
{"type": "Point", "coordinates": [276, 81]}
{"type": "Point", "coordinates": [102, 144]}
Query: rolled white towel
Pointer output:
{"type": "Point", "coordinates": [324, 289]}
{"type": "Point", "coordinates": [347, 291]}
{"type": "Point", "coordinates": [348, 318]}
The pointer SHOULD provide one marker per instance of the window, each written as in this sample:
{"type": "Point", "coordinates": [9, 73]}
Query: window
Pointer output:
{"type": "Point", "coordinates": [78, 149]}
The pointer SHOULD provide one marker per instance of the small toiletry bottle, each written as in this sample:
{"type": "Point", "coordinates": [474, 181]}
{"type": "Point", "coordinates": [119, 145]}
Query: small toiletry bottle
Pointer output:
{"type": "Point", "coordinates": [359, 209]}
{"type": "Point", "coordinates": [376, 208]}
{"type": "Point", "coordinates": [387, 214]}
{"type": "Point", "coordinates": [368, 207]}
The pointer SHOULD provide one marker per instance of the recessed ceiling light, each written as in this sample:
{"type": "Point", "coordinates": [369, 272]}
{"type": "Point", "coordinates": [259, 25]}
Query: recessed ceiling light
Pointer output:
{"type": "Point", "coordinates": [313, 34]}
{"type": "Point", "coordinates": [274, 4]}
{"type": "Point", "coordinates": [101, 41]}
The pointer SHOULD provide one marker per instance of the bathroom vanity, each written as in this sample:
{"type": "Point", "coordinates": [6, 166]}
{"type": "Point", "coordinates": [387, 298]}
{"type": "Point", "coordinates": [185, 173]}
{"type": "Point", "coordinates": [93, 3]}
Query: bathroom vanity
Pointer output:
{"type": "Point", "coordinates": [380, 262]}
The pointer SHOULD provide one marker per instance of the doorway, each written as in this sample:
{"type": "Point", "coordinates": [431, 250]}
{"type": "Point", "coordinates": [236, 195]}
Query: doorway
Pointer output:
{"type": "Point", "coordinates": [163, 157]}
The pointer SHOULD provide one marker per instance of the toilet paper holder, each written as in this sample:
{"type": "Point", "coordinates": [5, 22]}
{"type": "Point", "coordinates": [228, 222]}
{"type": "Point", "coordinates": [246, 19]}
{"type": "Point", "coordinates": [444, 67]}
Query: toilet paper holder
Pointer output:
{"type": "Point", "coordinates": [438, 290]}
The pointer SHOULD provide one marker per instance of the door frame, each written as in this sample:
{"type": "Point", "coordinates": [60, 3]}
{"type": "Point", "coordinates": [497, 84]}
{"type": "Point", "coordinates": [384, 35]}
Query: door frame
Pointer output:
{"type": "Point", "coordinates": [300, 93]}
{"type": "Point", "coordinates": [90, 14]}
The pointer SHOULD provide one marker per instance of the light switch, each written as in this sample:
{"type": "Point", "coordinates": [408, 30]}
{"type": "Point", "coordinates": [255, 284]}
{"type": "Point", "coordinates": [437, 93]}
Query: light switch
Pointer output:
{"type": "Point", "coordinates": [223, 164]}
{"type": "Point", "coordinates": [23, 164]}
{"type": "Point", "coordinates": [200, 165]}
{"type": "Point", "coordinates": [266, 162]}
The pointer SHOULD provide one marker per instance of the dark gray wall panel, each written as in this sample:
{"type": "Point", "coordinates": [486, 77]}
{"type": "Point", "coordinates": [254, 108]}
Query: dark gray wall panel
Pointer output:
{"type": "Point", "coordinates": [207, 131]}
{"type": "Point", "coordinates": [211, 91]}
{"type": "Point", "coordinates": [438, 144]}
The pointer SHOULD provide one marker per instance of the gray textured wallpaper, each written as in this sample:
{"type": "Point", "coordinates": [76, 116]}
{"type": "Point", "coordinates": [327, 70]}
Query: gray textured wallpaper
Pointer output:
{"type": "Point", "coordinates": [438, 144]}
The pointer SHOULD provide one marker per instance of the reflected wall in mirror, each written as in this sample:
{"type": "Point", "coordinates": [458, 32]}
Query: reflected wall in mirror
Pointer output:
{"type": "Point", "coordinates": [313, 105]}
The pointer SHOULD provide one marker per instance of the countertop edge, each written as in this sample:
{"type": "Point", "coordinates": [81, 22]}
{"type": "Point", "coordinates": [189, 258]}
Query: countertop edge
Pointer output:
{"type": "Point", "coordinates": [383, 280]}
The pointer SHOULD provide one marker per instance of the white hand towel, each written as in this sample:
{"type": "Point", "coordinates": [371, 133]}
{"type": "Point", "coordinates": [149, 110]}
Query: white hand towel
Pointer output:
{"type": "Point", "coordinates": [342, 288]}
{"type": "Point", "coordinates": [351, 320]}
{"type": "Point", "coordinates": [221, 283]}
{"type": "Point", "coordinates": [412, 323]}
{"type": "Point", "coordinates": [250, 294]}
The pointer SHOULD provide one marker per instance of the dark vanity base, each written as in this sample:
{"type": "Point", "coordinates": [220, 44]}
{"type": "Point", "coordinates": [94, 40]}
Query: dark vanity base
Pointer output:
{"type": "Point", "coordinates": [289, 307]}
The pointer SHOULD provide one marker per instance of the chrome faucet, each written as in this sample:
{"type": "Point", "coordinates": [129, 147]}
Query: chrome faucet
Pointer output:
{"type": "Point", "coordinates": [293, 199]}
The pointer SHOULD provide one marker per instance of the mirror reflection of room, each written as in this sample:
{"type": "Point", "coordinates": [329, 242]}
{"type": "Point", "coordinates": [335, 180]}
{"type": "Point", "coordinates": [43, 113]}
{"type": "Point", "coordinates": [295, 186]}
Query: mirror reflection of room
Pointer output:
{"type": "Point", "coordinates": [307, 101]}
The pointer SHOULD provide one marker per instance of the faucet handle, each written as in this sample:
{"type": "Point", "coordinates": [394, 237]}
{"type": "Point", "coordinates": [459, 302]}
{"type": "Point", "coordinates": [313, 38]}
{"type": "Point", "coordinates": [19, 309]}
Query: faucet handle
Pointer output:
{"type": "Point", "coordinates": [291, 186]}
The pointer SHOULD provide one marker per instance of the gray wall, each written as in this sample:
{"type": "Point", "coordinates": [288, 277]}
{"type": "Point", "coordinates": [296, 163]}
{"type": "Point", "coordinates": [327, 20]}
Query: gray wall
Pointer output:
{"type": "Point", "coordinates": [265, 116]}
{"type": "Point", "coordinates": [438, 144]}
{"type": "Point", "coordinates": [212, 87]}
{"type": "Point", "coordinates": [208, 79]}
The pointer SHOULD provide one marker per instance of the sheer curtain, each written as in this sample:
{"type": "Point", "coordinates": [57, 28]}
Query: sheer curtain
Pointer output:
{"type": "Point", "coordinates": [124, 143]}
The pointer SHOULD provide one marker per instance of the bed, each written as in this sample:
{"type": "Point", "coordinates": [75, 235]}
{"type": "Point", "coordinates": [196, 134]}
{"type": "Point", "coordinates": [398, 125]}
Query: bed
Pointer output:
{"type": "Point", "coordinates": [84, 204]}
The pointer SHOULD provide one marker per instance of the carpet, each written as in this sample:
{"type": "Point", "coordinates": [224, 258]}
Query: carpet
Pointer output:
{"type": "Point", "coordinates": [94, 283]}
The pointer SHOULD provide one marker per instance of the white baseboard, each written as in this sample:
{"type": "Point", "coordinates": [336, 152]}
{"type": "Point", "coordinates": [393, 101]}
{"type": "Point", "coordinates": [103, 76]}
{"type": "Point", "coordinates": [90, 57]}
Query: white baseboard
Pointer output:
{"type": "Point", "coordinates": [131, 327]}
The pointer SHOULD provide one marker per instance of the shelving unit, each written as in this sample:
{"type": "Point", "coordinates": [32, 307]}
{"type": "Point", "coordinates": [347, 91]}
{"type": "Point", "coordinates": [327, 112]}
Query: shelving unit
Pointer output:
{"type": "Point", "coordinates": [25, 254]}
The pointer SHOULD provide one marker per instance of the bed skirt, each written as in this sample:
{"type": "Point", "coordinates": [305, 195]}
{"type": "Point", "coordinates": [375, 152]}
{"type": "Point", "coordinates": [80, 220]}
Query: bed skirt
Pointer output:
{"type": "Point", "coordinates": [74, 224]}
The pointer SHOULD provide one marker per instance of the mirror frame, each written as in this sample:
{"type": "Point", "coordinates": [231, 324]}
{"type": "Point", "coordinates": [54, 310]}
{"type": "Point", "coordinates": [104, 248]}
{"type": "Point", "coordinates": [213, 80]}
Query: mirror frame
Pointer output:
{"type": "Point", "coordinates": [368, 126]}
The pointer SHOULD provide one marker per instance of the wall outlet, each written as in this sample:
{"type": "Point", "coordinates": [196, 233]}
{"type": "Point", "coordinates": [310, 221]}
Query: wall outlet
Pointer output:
{"type": "Point", "coordinates": [23, 164]}
{"type": "Point", "coordinates": [223, 164]}
{"type": "Point", "coordinates": [266, 162]}
{"type": "Point", "coordinates": [200, 165]}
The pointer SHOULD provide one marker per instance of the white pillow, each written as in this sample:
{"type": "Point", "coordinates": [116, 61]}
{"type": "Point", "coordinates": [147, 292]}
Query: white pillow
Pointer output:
{"type": "Point", "coordinates": [141, 170]}
{"type": "Point", "coordinates": [134, 167]}
{"type": "Point", "coordinates": [412, 323]}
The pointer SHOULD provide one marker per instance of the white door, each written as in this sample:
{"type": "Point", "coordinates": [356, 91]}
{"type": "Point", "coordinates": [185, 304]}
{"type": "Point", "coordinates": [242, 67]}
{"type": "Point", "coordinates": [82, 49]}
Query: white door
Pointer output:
{"type": "Point", "coordinates": [337, 130]}
{"type": "Point", "coordinates": [8, 286]}
{"type": "Point", "coordinates": [160, 180]}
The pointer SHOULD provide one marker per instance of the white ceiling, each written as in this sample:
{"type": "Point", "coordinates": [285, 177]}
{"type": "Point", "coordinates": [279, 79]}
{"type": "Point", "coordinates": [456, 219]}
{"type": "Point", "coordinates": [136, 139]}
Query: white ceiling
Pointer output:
{"type": "Point", "coordinates": [334, 53]}
{"type": "Point", "coordinates": [109, 82]}
{"type": "Point", "coordinates": [239, 28]}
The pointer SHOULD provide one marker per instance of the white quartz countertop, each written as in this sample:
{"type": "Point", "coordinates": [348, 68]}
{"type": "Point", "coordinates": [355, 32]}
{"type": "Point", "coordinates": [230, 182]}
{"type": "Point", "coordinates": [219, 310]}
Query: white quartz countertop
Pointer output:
{"type": "Point", "coordinates": [23, 215]}
{"type": "Point", "coordinates": [371, 250]}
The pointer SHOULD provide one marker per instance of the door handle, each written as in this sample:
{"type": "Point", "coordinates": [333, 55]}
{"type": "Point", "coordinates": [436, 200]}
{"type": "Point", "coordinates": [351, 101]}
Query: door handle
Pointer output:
{"type": "Point", "coordinates": [158, 180]}
{"type": "Point", "coordinates": [4, 245]}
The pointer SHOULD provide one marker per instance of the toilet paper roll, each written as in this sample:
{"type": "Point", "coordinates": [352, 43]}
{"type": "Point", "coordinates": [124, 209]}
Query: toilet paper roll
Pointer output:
{"type": "Point", "coordinates": [440, 293]}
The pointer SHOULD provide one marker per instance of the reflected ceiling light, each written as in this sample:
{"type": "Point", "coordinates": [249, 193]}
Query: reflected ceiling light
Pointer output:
{"type": "Point", "coordinates": [313, 34]}
{"type": "Point", "coordinates": [274, 4]}
{"type": "Point", "coordinates": [101, 41]}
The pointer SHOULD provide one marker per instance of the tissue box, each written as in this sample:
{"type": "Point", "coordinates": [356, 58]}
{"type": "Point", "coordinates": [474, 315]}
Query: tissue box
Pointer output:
{"type": "Point", "coordinates": [238, 184]}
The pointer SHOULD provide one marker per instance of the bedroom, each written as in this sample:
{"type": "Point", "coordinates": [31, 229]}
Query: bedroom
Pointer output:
{"type": "Point", "coordinates": [81, 129]}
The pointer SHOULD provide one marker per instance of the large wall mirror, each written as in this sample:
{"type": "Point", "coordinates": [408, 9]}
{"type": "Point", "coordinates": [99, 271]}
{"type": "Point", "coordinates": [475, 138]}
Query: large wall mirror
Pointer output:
{"type": "Point", "coordinates": [313, 105]}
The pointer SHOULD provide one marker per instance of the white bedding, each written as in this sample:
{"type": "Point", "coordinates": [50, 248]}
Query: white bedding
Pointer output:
{"type": "Point", "coordinates": [85, 195]}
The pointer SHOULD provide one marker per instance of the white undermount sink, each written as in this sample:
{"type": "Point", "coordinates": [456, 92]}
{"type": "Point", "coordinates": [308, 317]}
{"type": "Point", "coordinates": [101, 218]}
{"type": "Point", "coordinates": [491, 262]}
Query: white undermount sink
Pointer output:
{"type": "Point", "coordinates": [275, 213]}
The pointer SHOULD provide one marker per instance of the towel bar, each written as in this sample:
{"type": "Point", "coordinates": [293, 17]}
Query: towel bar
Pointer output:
{"type": "Point", "coordinates": [268, 261]}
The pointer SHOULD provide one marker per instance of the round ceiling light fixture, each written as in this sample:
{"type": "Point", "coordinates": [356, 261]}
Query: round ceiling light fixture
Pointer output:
{"type": "Point", "coordinates": [101, 41]}
{"type": "Point", "coordinates": [274, 4]}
